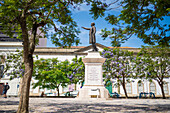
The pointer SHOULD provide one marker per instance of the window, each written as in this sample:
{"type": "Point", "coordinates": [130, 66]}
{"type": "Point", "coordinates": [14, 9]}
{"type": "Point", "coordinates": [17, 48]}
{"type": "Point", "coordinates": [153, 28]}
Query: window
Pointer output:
{"type": "Point", "coordinates": [140, 87]}
{"type": "Point", "coordinates": [128, 88]}
{"type": "Point", "coordinates": [152, 87]}
{"type": "Point", "coordinates": [166, 89]}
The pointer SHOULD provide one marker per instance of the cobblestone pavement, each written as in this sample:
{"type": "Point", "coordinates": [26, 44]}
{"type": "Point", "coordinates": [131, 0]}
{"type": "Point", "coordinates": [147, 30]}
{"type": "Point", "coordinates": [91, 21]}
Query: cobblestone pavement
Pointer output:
{"type": "Point", "coordinates": [69, 105]}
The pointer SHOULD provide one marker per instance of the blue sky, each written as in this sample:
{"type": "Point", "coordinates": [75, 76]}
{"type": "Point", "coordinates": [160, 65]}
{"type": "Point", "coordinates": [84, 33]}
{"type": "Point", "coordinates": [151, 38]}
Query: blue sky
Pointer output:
{"type": "Point", "coordinates": [83, 18]}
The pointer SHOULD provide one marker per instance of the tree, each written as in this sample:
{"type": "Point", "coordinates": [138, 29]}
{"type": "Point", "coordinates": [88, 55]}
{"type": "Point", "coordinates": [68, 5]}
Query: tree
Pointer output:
{"type": "Point", "coordinates": [77, 71]}
{"type": "Point", "coordinates": [11, 64]}
{"type": "Point", "coordinates": [141, 18]}
{"type": "Point", "coordinates": [153, 63]}
{"type": "Point", "coordinates": [118, 65]}
{"type": "Point", "coordinates": [25, 17]}
{"type": "Point", "coordinates": [50, 73]}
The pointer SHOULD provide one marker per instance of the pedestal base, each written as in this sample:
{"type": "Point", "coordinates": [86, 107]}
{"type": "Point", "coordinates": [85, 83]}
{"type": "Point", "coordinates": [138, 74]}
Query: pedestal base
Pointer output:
{"type": "Point", "coordinates": [93, 87]}
{"type": "Point", "coordinates": [93, 92]}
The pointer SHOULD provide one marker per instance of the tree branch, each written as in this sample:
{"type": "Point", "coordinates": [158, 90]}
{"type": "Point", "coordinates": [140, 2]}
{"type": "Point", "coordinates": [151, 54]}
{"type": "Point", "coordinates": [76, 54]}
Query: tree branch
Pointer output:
{"type": "Point", "coordinates": [158, 77]}
{"type": "Point", "coordinates": [49, 14]}
{"type": "Point", "coordinates": [1, 3]}
{"type": "Point", "coordinates": [32, 38]}
{"type": "Point", "coordinates": [130, 35]}
{"type": "Point", "coordinates": [42, 23]}
{"type": "Point", "coordinates": [28, 5]}
{"type": "Point", "coordinates": [34, 12]}
{"type": "Point", "coordinates": [65, 6]}
{"type": "Point", "coordinates": [114, 7]}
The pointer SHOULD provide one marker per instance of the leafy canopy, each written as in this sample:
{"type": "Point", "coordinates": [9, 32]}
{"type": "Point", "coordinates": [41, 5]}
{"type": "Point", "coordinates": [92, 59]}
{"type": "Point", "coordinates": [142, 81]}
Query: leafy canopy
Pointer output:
{"type": "Point", "coordinates": [117, 64]}
{"type": "Point", "coordinates": [141, 18]}
{"type": "Point", "coordinates": [50, 73]}
{"type": "Point", "coordinates": [77, 70]}
{"type": "Point", "coordinates": [46, 15]}
{"type": "Point", "coordinates": [153, 63]}
{"type": "Point", "coordinates": [12, 63]}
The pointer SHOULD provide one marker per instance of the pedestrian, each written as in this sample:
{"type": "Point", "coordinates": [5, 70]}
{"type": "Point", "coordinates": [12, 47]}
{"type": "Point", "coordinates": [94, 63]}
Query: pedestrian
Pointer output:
{"type": "Point", "coordinates": [6, 88]}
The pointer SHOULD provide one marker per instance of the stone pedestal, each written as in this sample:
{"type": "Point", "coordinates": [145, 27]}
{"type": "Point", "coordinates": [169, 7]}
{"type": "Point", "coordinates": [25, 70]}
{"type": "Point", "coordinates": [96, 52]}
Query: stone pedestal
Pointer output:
{"type": "Point", "coordinates": [93, 87]}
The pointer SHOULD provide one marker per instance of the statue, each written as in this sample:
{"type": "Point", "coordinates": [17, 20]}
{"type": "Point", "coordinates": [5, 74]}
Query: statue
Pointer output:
{"type": "Point", "coordinates": [92, 37]}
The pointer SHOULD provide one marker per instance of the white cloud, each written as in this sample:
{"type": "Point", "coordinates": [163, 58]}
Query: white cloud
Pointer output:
{"type": "Point", "coordinates": [98, 32]}
{"type": "Point", "coordinates": [83, 32]}
{"type": "Point", "coordinates": [84, 7]}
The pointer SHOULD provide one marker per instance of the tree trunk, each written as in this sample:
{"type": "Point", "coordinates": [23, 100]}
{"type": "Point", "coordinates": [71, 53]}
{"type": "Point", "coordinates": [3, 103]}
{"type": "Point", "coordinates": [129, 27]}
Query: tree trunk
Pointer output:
{"type": "Point", "coordinates": [75, 86]}
{"type": "Point", "coordinates": [28, 47]}
{"type": "Point", "coordinates": [25, 87]}
{"type": "Point", "coordinates": [58, 91]}
{"type": "Point", "coordinates": [124, 88]}
{"type": "Point", "coordinates": [162, 89]}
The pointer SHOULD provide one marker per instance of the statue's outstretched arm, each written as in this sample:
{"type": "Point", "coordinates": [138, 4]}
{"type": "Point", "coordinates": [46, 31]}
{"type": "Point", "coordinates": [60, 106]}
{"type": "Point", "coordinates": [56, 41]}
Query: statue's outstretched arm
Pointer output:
{"type": "Point", "coordinates": [85, 28]}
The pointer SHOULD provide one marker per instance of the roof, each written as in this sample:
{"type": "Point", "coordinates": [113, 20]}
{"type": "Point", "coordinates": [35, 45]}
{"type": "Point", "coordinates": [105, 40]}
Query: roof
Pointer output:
{"type": "Point", "coordinates": [60, 50]}
{"type": "Point", "coordinates": [7, 39]}
{"type": "Point", "coordinates": [75, 49]}
{"type": "Point", "coordinates": [90, 46]}
{"type": "Point", "coordinates": [121, 47]}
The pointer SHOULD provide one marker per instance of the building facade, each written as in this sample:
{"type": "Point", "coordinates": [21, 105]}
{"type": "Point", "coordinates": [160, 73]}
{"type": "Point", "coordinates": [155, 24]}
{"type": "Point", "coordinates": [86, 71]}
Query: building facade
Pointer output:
{"type": "Point", "coordinates": [133, 88]}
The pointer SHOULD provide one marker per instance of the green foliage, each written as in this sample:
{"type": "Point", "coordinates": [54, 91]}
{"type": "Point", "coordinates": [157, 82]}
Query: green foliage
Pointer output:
{"type": "Point", "coordinates": [141, 18]}
{"type": "Point", "coordinates": [98, 9]}
{"type": "Point", "coordinates": [77, 71]}
{"type": "Point", "coordinates": [117, 64]}
{"type": "Point", "coordinates": [42, 14]}
{"type": "Point", "coordinates": [154, 64]}
{"type": "Point", "coordinates": [50, 73]}
{"type": "Point", "coordinates": [13, 64]}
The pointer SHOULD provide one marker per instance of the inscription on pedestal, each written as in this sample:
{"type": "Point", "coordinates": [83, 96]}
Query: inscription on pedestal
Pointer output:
{"type": "Point", "coordinates": [93, 74]}
{"type": "Point", "coordinates": [93, 86]}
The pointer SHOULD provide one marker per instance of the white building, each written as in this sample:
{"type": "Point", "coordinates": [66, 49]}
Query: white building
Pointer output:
{"type": "Point", "coordinates": [133, 88]}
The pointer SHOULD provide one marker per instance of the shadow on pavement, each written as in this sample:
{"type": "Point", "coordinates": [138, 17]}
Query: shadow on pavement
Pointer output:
{"type": "Point", "coordinates": [65, 107]}
{"type": "Point", "coordinates": [7, 111]}
{"type": "Point", "coordinates": [9, 103]}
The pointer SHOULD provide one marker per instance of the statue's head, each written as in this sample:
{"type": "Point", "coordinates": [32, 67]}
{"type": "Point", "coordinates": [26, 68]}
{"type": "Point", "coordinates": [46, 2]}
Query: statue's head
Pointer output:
{"type": "Point", "coordinates": [92, 24]}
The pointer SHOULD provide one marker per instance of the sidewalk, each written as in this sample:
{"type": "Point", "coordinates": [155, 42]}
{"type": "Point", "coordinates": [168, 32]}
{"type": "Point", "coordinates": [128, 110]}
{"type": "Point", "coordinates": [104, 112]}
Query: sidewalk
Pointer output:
{"type": "Point", "coordinates": [68, 105]}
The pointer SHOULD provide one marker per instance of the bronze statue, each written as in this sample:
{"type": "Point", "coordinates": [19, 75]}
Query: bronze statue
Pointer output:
{"type": "Point", "coordinates": [92, 37]}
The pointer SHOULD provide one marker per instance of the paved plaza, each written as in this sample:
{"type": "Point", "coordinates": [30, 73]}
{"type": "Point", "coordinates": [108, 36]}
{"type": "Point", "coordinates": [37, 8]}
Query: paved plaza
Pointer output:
{"type": "Point", "coordinates": [69, 105]}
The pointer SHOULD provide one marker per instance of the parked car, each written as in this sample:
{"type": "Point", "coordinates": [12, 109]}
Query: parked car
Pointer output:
{"type": "Point", "coordinates": [71, 93]}
{"type": "Point", "coordinates": [50, 94]}
{"type": "Point", "coordinates": [115, 94]}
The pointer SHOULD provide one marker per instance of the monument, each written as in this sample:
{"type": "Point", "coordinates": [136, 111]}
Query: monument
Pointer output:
{"type": "Point", "coordinates": [92, 37]}
{"type": "Point", "coordinates": [93, 87]}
